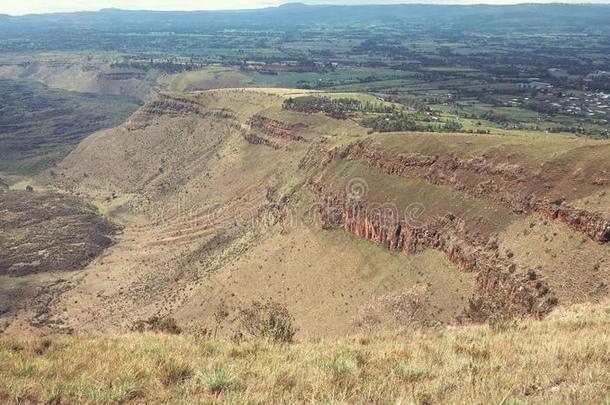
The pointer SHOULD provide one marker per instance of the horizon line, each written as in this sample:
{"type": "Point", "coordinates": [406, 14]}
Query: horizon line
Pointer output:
{"type": "Point", "coordinates": [267, 7]}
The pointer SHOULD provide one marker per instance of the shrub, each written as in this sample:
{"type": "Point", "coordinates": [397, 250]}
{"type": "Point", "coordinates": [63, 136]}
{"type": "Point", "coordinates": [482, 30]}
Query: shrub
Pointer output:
{"type": "Point", "coordinates": [158, 324]}
{"type": "Point", "coordinates": [198, 331]}
{"type": "Point", "coordinates": [496, 310]}
{"type": "Point", "coordinates": [42, 346]}
{"type": "Point", "coordinates": [403, 308]}
{"type": "Point", "coordinates": [216, 381]}
{"type": "Point", "coordinates": [220, 315]}
{"type": "Point", "coordinates": [268, 320]}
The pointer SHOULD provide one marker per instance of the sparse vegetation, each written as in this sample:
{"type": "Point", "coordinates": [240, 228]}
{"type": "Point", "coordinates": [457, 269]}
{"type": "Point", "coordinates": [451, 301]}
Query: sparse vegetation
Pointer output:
{"type": "Point", "coordinates": [409, 372]}
{"type": "Point", "coordinates": [535, 361]}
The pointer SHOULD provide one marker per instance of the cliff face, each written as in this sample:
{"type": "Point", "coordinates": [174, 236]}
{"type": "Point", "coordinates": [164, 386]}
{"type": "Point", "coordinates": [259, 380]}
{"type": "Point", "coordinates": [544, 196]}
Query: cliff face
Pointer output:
{"type": "Point", "coordinates": [592, 224]}
{"type": "Point", "coordinates": [508, 184]}
{"type": "Point", "coordinates": [495, 273]}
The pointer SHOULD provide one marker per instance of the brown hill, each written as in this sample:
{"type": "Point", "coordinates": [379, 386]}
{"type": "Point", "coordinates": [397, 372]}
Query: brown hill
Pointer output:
{"type": "Point", "coordinates": [226, 197]}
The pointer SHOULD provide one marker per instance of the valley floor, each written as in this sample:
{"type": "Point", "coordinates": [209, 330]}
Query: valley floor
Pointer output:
{"type": "Point", "coordinates": [561, 359]}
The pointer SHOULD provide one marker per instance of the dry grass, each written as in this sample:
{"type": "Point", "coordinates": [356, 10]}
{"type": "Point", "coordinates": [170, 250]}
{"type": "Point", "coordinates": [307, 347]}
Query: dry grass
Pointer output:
{"type": "Point", "coordinates": [563, 359]}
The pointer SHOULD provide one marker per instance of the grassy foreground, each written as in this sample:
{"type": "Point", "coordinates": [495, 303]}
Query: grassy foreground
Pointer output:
{"type": "Point", "coordinates": [562, 359]}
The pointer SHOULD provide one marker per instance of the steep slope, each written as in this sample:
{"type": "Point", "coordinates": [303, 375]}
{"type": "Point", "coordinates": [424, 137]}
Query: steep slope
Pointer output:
{"type": "Point", "coordinates": [226, 197]}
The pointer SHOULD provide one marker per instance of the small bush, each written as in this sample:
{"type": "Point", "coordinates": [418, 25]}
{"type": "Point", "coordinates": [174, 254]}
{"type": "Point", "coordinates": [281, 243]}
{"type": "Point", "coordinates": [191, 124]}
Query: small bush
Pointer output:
{"type": "Point", "coordinates": [198, 331]}
{"type": "Point", "coordinates": [269, 320]}
{"type": "Point", "coordinates": [404, 308]}
{"type": "Point", "coordinates": [220, 315]}
{"type": "Point", "coordinates": [42, 346]}
{"type": "Point", "coordinates": [158, 324]}
{"type": "Point", "coordinates": [496, 310]}
{"type": "Point", "coordinates": [216, 381]}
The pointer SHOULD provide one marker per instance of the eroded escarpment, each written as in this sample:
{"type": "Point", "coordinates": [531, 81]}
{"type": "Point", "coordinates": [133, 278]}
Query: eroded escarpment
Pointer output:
{"type": "Point", "coordinates": [508, 184]}
{"type": "Point", "coordinates": [260, 130]}
{"type": "Point", "coordinates": [593, 224]}
{"type": "Point", "coordinates": [174, 106]}
{"type": "Point", "coordinates": [496, 275]}
{"type": "Point", "coordinates": [275, 129]}
{"type": "Point", "coordinates": [255, 139]}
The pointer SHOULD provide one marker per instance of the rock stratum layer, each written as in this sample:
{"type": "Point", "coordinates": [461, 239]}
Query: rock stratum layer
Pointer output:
{"type": "Point", "coordinates": [495, 275]}
{"type": "Point", "coordinates": [508, 184]}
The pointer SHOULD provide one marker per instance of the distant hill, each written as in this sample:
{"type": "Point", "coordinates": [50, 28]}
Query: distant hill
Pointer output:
{"type": "Point", "coordinates": [100, 30]}
{"type": "Point", "coordinates": [294, 15]}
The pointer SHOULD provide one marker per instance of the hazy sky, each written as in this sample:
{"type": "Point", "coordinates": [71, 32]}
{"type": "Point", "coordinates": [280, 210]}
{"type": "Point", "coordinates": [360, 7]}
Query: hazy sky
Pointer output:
{"type": "Point", "coordinates": [45, 6]}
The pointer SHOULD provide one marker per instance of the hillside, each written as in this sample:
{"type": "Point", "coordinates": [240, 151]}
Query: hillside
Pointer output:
{"type": "Point", "coordinates": [402, 203]}
{"type": "Point", "coordinates": [562, 359]}
{"type": "Point", "coordinates": [40, 125]}
{"type": "Point", "coordinates": [226, 197]}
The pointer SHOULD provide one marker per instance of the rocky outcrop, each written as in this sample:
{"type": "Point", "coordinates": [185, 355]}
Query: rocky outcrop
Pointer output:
{"type": "Point", "coordinates": [275, 129]}
{"type": "Point", "coordinates": [255, 139]}
{"type": "Point", "coordinates": [495, 273]}
{"type": "Point", "coordinates": [3, 186]}
{"type": "Point", "coordinates": [168, 105]}
{"type": "Point", "coordinates": [506, 184]}
{"type": "Point", "coordinates": [593, 224]}
{"type": "Point", "coordinates": [174, 106]}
